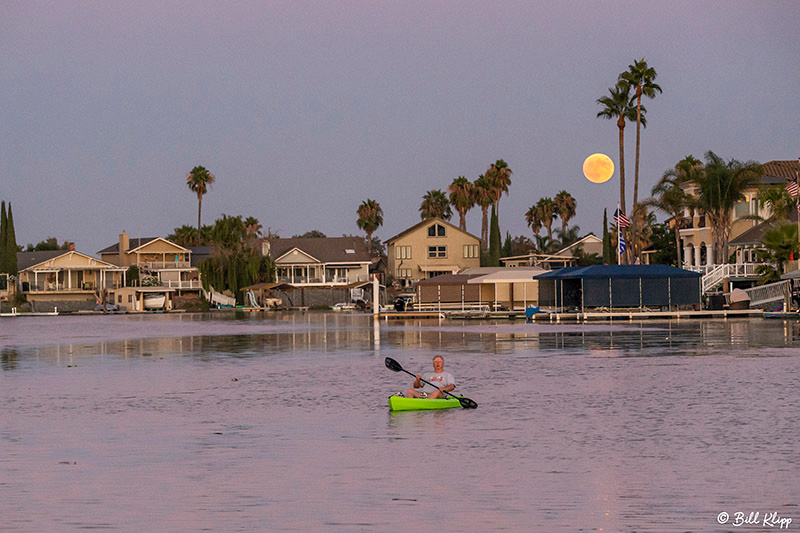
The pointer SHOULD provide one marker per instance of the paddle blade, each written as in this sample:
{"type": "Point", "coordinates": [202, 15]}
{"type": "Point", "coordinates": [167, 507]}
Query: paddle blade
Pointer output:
{"type": "Point", "coordinates": [466, 403]}
{"type": "Point", "coordinates": [391, 364]}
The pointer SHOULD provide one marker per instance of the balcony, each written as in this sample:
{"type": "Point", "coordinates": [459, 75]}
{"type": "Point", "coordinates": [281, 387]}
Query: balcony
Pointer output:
{"type": "Point", "coordinates": [161, 265]}
{"type": "Point", "coordinates": [186, 284]}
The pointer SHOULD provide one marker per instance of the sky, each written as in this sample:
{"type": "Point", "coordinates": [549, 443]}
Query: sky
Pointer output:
{"type": "Point", "coordinates": [303, 109]}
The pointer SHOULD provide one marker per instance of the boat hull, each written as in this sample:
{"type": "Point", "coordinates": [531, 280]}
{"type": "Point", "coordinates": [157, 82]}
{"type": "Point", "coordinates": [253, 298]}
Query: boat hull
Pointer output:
{"type": "Point", "coordinates": [399, 403]}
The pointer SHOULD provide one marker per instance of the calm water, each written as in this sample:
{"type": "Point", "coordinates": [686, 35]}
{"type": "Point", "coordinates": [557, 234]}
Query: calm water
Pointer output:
{"type": "Point", "coordinates": [185, 422]}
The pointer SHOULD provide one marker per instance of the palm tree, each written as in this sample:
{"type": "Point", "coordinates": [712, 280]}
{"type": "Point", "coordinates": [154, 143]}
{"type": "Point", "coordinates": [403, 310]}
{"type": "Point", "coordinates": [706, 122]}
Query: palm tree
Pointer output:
{"type": "Point", "coordinates": [483, 197]}
{"type": "Point", "coordinates": [547, 214]}
{"type": "Point", "coordinates": [435, 205]}
{"type": "Point", "coordinates": [719, 187]}
{"type": "Point", "coordinates": [462, 198]}
{"type": "Point", "coordinates": [199, 179]}
{"type": "Point", "coordinates": [619, 105]}
{"type": "Point", "coordinates": [499, 176]}
{"type": "Point", "coordinates": [185, 235]}
{"type": "Point", "coordinates": [669, 196]}
{"type": "Point", "coordinates": [533, 220]}
{"type": "Point", "coordinates": [641, 76]}
{"type": "Point", "coordinates": [778, 200]}
{"type": "Point", "coordinates": [370, 218]}
{"type": "Point", "coordinates": [565, 207]}
{"type": "Point", "coordinates": [253, 226]}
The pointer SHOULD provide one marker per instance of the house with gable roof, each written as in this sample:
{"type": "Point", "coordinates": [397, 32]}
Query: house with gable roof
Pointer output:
{"type": "Point", "coordinates": [319, 261]}
{"type": "Point", "coordinates": [430, 248]}
{"type": "Point", "coordinates": [66, 279]}
{"type": "Point", "coordinates": [170, 263]}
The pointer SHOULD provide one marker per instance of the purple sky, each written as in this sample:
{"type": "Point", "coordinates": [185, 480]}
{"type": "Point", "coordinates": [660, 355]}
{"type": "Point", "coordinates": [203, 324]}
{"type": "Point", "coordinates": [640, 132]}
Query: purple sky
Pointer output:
{"type": "Point", "coordinates": [304, 109]}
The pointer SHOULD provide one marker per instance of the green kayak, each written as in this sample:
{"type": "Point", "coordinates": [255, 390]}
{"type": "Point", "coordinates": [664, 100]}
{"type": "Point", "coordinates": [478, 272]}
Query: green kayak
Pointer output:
{"type": "Point", "coordinates": [400, 403]}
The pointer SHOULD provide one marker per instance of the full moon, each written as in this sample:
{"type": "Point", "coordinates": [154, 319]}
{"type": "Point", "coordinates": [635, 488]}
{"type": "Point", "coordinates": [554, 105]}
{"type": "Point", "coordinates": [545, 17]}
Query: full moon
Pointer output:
{"type": "Point", "coordinates": [598, 168]}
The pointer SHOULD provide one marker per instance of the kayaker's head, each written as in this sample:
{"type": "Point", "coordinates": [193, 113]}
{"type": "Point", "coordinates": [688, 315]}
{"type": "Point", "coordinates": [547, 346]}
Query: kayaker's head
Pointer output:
{"type": "Point", "coordinates": [438, 363]}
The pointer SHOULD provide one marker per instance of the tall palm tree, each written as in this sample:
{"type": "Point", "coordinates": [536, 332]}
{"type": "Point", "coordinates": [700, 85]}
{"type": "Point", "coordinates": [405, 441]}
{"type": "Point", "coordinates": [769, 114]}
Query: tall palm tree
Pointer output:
{"type": "Point", "coordinates": [565, 207]}
{"type": "Point", "coordinates": [435, 204]}
{"type": "Point", "coordinates": [462, 198]}
{"type": "Point", "coordinates": [669, 196]}
{"type": "Point", "coordinates": [199, 179]}
{"type": "Point", "coordinates": [641, 76]}
{"type": "Point", "coordinates": [483, 197]}
{"type": "Point", "coordinates": [619, 105]}
{"type": "Point", "coordinates": [547, 214]}
{"type": "Point", "coordinates": [719, 187]}
{"type": "Point", "coordinates": [370, 218]}
{"type": "Point", "coordinates": [499, 176]}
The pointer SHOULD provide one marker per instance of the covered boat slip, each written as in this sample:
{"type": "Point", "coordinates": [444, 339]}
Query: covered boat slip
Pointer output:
{"type": "Point", "coordinates": [575, 289]}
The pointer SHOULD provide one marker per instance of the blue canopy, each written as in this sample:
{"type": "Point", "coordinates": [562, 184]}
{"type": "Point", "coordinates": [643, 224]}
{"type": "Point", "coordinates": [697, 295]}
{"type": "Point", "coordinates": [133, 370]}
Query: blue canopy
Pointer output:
{"type": "Point", "coordinates": [618, 272]}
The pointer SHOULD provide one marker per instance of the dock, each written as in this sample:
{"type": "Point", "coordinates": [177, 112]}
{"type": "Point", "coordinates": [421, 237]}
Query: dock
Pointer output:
{"type": "Point", "coordinates": [410, 315]}
{"type": "Point", "coordinates": [630, 316]}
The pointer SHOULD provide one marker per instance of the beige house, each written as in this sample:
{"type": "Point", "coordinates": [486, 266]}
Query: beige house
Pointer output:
{"type": "Point", "coordinates": [431, 248]}
{"type": "Point", "coordinates": [68, 280]}
{"type": "Point", "coordinates": [697, 242]}
{"type": "Point", "coordinates": [319, 261]}
{"type": "Point", "coordinates": [168, 262]}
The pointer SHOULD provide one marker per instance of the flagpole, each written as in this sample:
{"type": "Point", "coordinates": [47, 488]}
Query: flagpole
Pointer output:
{"type": "Point", "coordinates": [619, 232]}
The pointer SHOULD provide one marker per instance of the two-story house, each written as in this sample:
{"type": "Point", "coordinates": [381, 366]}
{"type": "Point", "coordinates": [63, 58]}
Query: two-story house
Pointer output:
{"type": "Point", "coordinates": [697, 242]}
{"type": "Point", "coordinates": [168, 262]}
{"type": "Point", "coordinates": [430, 248]}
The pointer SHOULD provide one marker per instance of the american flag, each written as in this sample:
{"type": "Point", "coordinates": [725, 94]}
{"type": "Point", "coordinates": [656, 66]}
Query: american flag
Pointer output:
{"type": "Point", "coordinates": [793, 189]}
{"type": "Point", "coordinates": [622, 245]}
{"type": "Point", "coordinates": [621, 220]}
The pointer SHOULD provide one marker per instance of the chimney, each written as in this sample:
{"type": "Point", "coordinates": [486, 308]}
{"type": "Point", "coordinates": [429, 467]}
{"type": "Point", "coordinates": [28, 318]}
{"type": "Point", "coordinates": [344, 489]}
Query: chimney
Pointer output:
{"type": "Point", "coordinates": [124, 246]}
{"type": "Point", "coordinates": [72, 247]}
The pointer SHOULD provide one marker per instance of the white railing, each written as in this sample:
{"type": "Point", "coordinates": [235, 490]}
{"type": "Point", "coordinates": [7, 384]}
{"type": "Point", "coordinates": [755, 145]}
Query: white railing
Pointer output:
{"type": "Point", "coordinates": [189, 284]}
{"type": "Point", "coordinates": [770, 293]}
{"type": "Point", "coordinates": [714, 275]}
{"type": "Point", "coordinates": [154, 265]}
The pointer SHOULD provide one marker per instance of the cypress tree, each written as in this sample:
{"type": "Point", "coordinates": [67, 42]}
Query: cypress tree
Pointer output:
{"type": "Point", "coordinates": [3, 223]}
{"type": "Point", "coordinates": [507, 245]}
{"type": "Point", "coordinates": [606, 239]}
{"type": "Point", "coordinates": [10, 248]}
{"type": "Point", "coordinates": [494, 240]}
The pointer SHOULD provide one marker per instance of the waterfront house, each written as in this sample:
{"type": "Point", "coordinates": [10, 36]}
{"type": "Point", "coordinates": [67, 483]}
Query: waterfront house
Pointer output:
{"type": "Point", "coordinates": [697, 242]}
{"type": "Point", "coordinates": [590, 244]}
{"type": "Point", "coordinates": [66, 279]}
{"type": "Point", "coordinates": [319, 261]}
{"type": "Point", "coordinates": [431, 248]}
{"type": "Point", "coordinates": [170, 264]}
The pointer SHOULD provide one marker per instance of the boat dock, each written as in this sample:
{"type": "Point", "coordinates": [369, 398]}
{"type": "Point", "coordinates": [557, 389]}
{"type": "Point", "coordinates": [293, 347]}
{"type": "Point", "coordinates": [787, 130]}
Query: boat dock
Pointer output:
{"type": "Point", "coordinates": [632, 315]}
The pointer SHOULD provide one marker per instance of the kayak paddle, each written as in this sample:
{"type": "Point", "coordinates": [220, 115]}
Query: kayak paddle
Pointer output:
{"type": "Point", "coordinates": [466, 403]}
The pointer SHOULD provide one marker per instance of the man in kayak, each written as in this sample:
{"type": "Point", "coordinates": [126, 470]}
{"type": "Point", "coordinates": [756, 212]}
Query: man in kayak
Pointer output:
{"type": "Point", "coordinates": [444, 381]}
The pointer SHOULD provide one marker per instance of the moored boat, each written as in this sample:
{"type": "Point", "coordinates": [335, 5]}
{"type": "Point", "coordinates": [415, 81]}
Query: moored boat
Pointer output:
{"type": "Point", "coordinates": [401, 403]}
{"type": "Point", "coordinates": [155, 301]}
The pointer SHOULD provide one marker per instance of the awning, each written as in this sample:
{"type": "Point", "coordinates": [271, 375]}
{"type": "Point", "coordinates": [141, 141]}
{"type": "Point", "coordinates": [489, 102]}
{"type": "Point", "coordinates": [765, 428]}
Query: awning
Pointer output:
{"type": "Point", "coordinates": [439, 268]}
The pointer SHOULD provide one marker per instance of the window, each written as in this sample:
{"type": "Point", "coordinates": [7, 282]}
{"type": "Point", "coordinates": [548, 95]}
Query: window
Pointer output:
{"type": "Point", "coordinates": [437, 230]}
{"type": "Point", "coordinates": [437, 251]}
{"type": "Point", "coordinates": [470, 251]}
{"type": "Point", "coordinates": [402, 252]}
{"type": "Point", "coordinates": [404, 273]}
{"type": "Point", "coordinates": [741, 209]}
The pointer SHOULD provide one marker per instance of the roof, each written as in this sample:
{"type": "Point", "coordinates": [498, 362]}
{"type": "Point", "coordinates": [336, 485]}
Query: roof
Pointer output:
{"type": "Point", "coordinates": [780, 170]}
{"type": "Point", "coordinates": [448, 279]}
{"type": "Point", "coordinates": [425, 223]}
{"type": "Point", "coordinates": [590, 237]}
{"type": "Point", "coordinates": [134, 243]}
{"type": "Point", "coordinates": [795, 274]}
{"type": "Point", "coordinates": [440, 268]}
{"type": "Point", "coordinates": [619, 271]}
{"type": "Point", "coordinates": [200, 254]}
{"type": "Point", "coordinates": [325, 249]}
{"type": "Point", "coordinates": [29, 259]}
{"type": "Point", "coordinates": [509, 275]}
{"type": "Point", "coordinates": [755, 235]}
